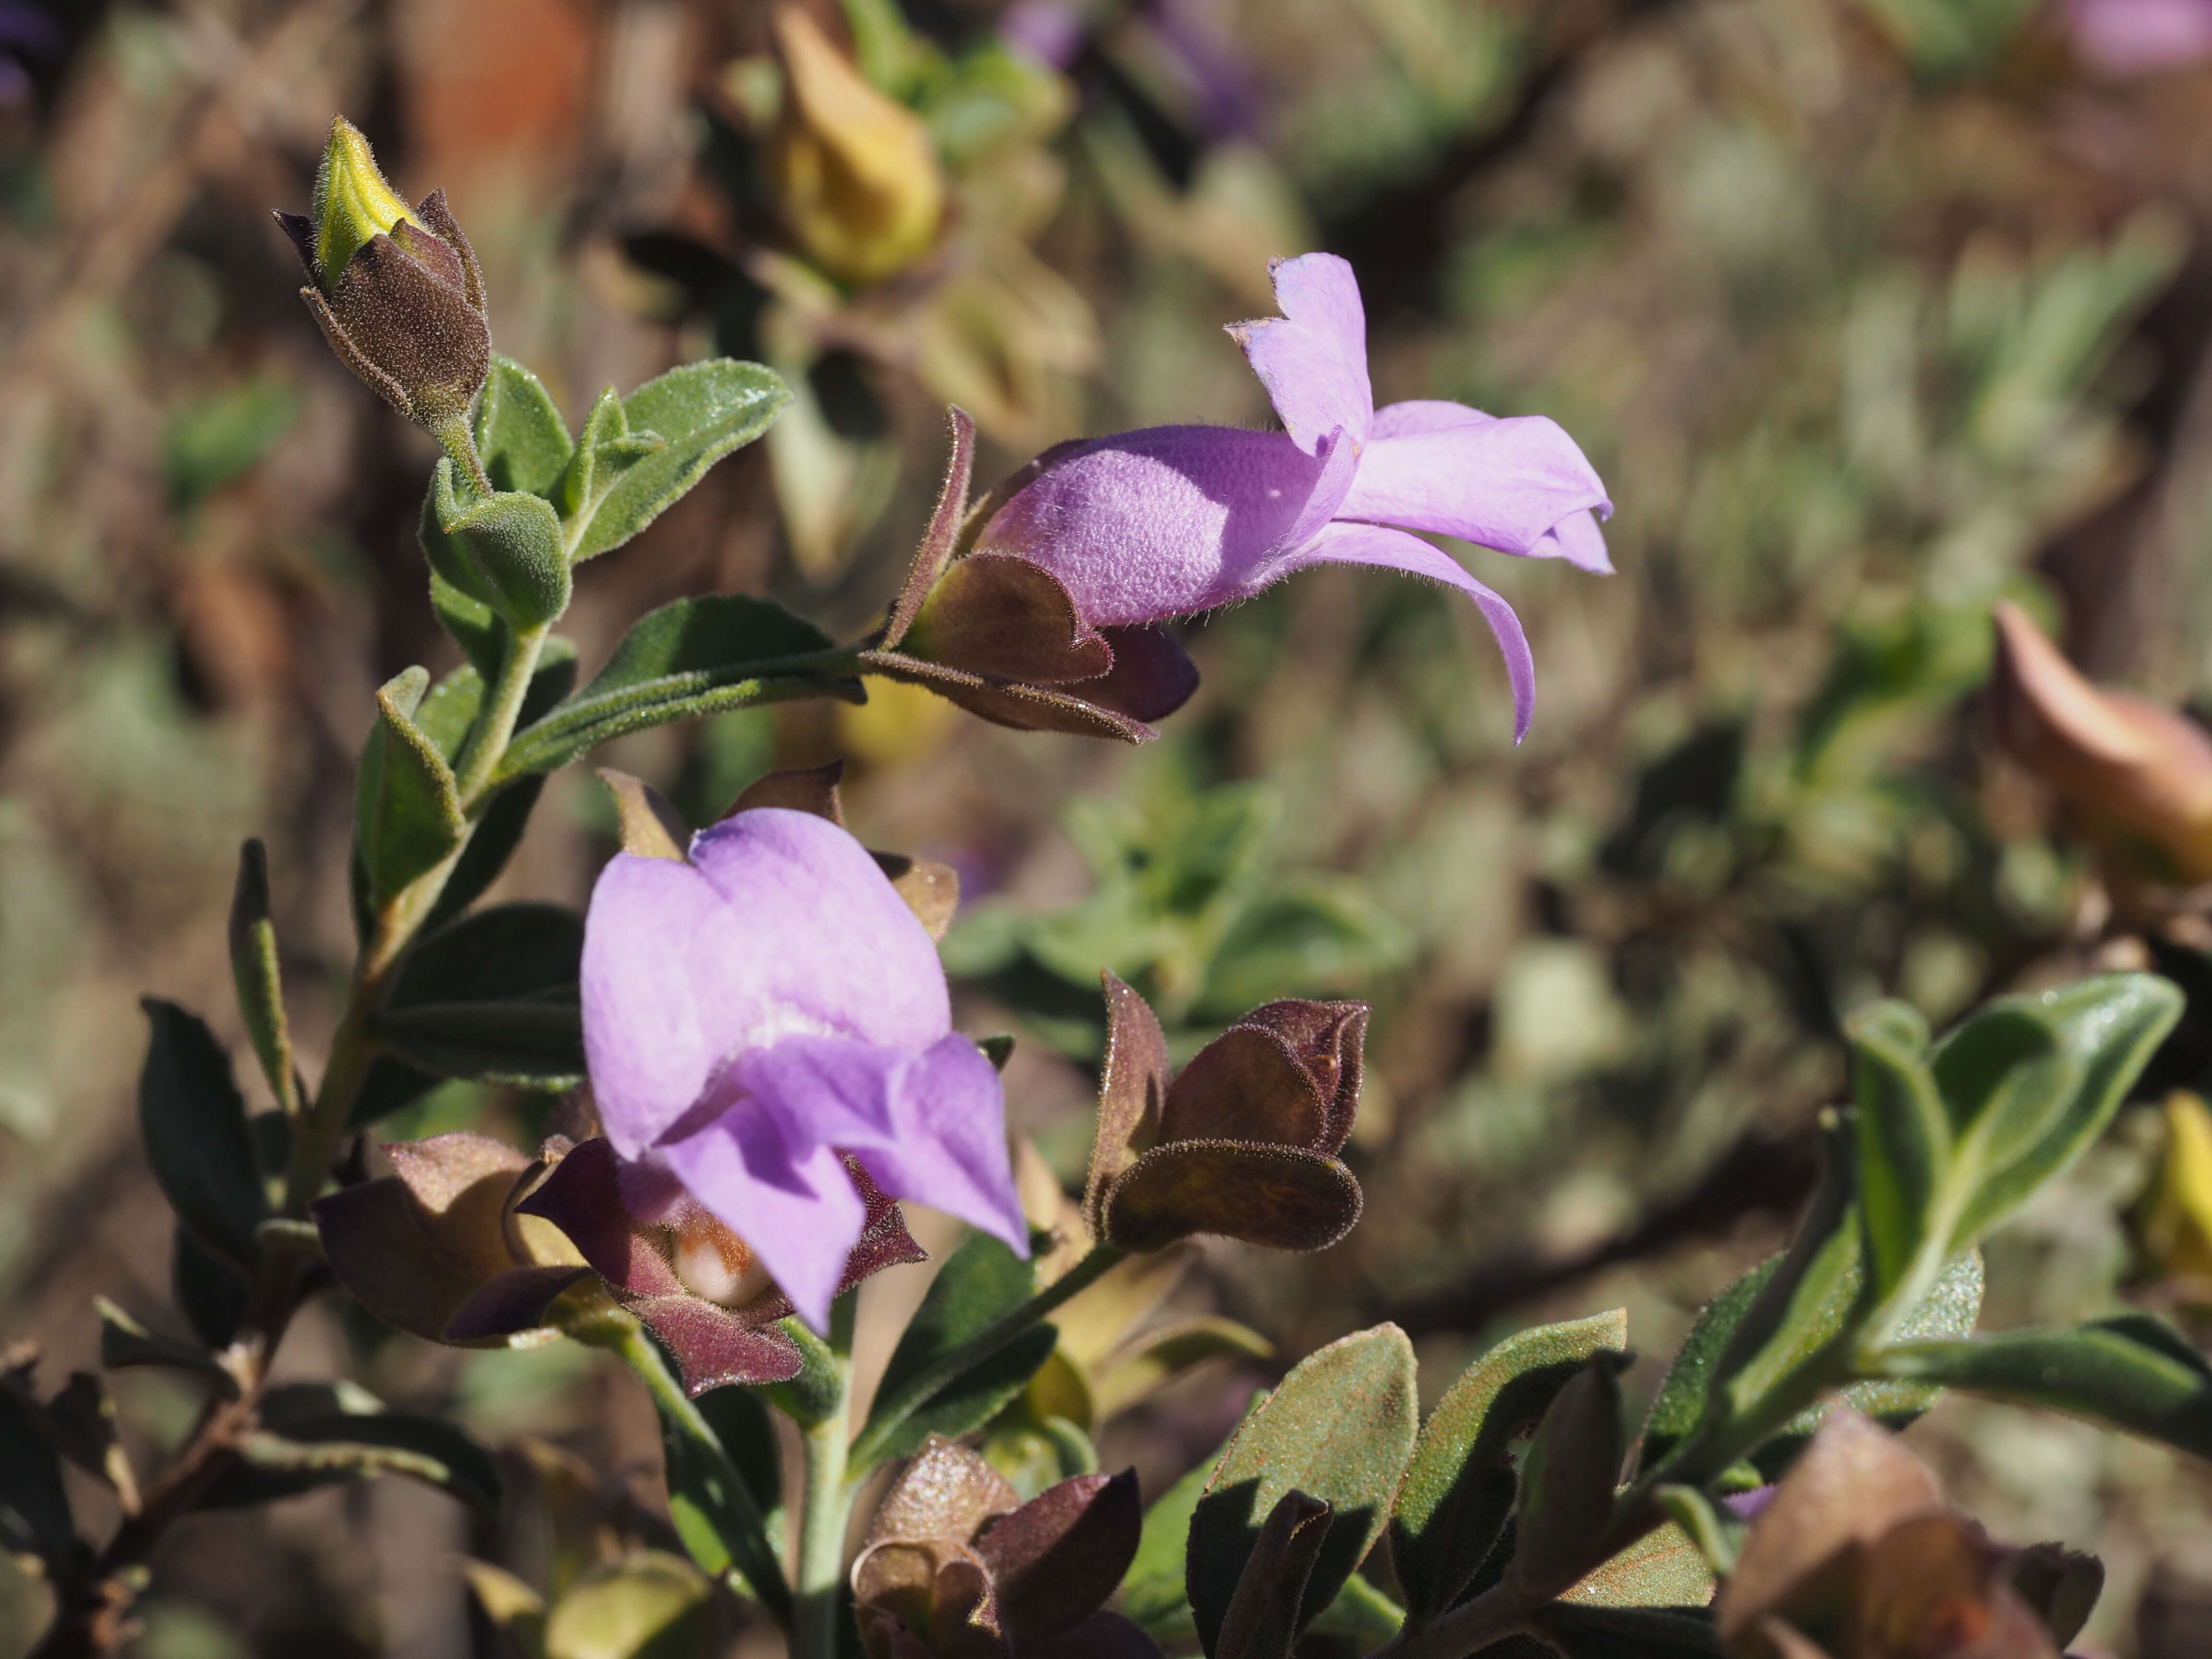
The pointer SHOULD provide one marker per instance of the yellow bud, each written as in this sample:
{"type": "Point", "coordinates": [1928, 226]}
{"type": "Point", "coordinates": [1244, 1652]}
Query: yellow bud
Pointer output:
{"type": "Point", "coordinates": [854, 173]}
{"type": "Point", "coordinates": [2178, 1232]}
{"type": "Point", "coordinates": [353, 201]}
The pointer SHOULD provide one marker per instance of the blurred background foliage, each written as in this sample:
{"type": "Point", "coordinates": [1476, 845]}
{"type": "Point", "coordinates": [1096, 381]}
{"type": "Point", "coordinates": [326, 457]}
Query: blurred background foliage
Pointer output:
{"type": "Point", "coordinates": [1870, 312]}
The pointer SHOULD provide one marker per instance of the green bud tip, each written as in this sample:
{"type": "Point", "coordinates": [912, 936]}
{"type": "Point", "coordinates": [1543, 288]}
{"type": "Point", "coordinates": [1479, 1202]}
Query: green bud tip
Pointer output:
{"type": "Point", "coordinates": [353, 201]}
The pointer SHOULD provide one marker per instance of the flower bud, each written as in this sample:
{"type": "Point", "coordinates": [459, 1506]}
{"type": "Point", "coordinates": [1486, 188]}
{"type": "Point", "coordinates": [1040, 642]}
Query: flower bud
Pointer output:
{"type": "Point", "coordinates": [398, 291]}
{"type": "Point", "coordinates": [854, 175]}
{"type": "Point", "coordinates": [2135, 778]}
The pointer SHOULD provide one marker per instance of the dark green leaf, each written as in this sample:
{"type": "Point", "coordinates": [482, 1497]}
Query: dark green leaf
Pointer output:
{"type": "Point", "coordinates": [699, 413]}
{"type": "Point", "coordinates": [505, 549]}
{"type": "Point", "coordinates": [408, 809]}
{"type": "Point", "coordinates": [1261, 1620]}
{"type": "Point", "coordinates": [521, 439]}
{"type": "Point", "coordinates": [980, 1280]}
{"type": "Point", "coordinates": [260, 982]}
{"type": "Point", "coordinates": [747, 1432]}
{"type": "Point", "coordinates": [1583, 1633]}
{"type": "Point", "coordinates": [193, 1123]}
{"type": "Point", "coordinates": [692, 657]}
{"type": "Point", "coordinates": [209, 1293]}
{"type": "Point", "coordinates": [509, 951]}
{"type": "Point", "coordinates": [712, 1505]}
{"type": "Point", "coordinates": [1362, 1612]}
{"type": "Point", "coordinates": [1460, 1486]}
{"type": "Point", "coordinates": [532, 1044]}
{"type": "Point", "coordinates": [34, 1511]}
{"type": "Point", "coordinates": [391, 1083]}
{"type": "Point", "coordinates": [125, 1342]}
{"type": "Point", "coordinates": [1341, 1429]}
{"type": "Point", "coordinates": [1567, 1482]}
{"type": "Point", "coordinates": [2134, 1372]}
{"type": "Point", "coordinates": [474, 625]}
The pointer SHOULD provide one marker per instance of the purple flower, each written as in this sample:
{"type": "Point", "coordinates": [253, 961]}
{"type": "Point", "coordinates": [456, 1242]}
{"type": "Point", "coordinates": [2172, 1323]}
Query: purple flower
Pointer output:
{"type": "Point", "coordinates": [1173, 519]}
{"type": "Point", "coordinates": [754, 1013]}
{"type": "Point", "coordinates": [2130, 36]}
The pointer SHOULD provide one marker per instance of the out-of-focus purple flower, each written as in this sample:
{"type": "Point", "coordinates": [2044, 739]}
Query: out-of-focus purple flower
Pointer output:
{"type": "Point", "coordinates": [1050, 31]}
{"type": "Point", "coordinates": [2131, 36]}
{"type": "Point", "coordinates": [1169, 520]}
{"type": "Point", "coordinates": [755, 1012]}
{"type": "Point", "coordinates": [27, 35]}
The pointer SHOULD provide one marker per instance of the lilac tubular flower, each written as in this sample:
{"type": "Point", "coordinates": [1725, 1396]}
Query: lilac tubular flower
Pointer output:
{"type": "Point", "coordinates": [2133, 36]}
{"type": "Point", "coordinates": [1169, 520]}
{"type": "Point", "coordinates": [755, 1012]}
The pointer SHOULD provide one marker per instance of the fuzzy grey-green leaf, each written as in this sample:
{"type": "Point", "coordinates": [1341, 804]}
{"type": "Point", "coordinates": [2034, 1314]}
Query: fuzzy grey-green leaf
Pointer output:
{"type": "Point", "coordinates": [505, 549]}
{"type": "Point", "coordinates": [408, 817]}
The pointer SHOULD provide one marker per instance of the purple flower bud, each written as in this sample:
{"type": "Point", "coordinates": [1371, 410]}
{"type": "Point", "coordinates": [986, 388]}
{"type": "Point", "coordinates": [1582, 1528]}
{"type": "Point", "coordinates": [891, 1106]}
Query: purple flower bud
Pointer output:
{"type": "Point", "coordinates": [1169, 521]}
{"type": "Point", "coordinates": [759, 1012]}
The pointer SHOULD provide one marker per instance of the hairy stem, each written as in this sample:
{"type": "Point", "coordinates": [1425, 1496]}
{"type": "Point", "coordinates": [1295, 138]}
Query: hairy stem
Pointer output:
{"type": "Point", "coordinates": [889, 1414]}
{"type": "Point", "coordinates": [487, 744]}
{"type": "Point", "coordinates": [827, 1509]}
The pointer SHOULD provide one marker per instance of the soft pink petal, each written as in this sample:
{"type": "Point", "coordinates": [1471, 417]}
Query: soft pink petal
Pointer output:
{"type": "Point", "coordinates": [1313, 358]}
{"type": "Point", "coordinates": [795, 1205]}
{"type": "Point", "coordinates": [782, 924]}
{"type": "Point", "coordinates": [1163, 522]}
{"type": "Point", "coordinates": [1509, 484]}
{"type": "Point", "coordinates": [1576, 539]}
{"type": "Point", "coordinates": [1362, 543]}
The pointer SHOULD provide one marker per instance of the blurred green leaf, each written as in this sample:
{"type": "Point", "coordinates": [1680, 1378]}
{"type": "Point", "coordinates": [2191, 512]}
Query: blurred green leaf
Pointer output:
{"type": "Point", "coordinates": [34, 1509]}
{"type": "Point", "coordinates": [208, 1291]}
{"type": "Point", "coordinates": [646, 1605]}
{"type": "Point", "coordinates": [321, 1450]}
{"type": "Point", "coordinates": [214, 440]}
{"type": "Point", "coordinates": [1601, 1633]}
{"type": "Point", "coordinates": [2135, 1372]}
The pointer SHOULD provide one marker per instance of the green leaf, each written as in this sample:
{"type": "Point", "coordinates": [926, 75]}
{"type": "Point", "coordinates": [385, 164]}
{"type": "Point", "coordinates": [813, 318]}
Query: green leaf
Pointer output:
{"type": "Point", "coordinates": [493, 995]}
{"type": "Point", "coordinates": [312, 1451]}
{"type": "Point", "coordinates": [1567, 1480]}
{"type": "Point", "coordinates": [260, 981]}
{"type": "Point", "coordinates": [2022, 1088]}
{"type": "Point", "coordinates": [1716, 1531]}
{"type": "Point", "coordinates": [1460, 1486]}
{"type": "Point", "coordinates": [2134, 1372]}
{"type": "Point", "coordinates": [1361, 1612]}
{"type": "Point", "coordinates": [1664, 1569]}
{"type": "Point", "coordinates": [408, 809]}
{"type": "Point", "coordinates": [1340, 1428]}
{"type": "Point", "coordinates": [521, 439]}
{"type": "Point", "coordinates": [504, 550]}
{"type": "Point", "coordinates": [193, 1123]}
{"type": "Point", "coordinates": [506, 814]}
{"type": "Point", "coordinates": [617, 482]}
{"type": "Point", "coordinates": [1679, 1406]}
{"type": "Point", "coordinates": [692, 657]}
{"type": "Point", "coordinates": [980, 1280]}
{"type": "Point", "coordinates": [34, 1510]}
{"type": "Point", "coordinates": [646, 1606]}
{"type": "Point", "coordinates": [1261, 1620]}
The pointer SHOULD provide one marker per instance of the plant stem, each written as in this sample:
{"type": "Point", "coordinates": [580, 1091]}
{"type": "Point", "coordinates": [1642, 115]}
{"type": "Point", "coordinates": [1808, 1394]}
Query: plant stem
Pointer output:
{"type": "Point", "coordinates": [748, 1551]}
{"type": "Point", "coordinates": [889, 1414]}
{"type": "Point", "coordinates": [486, 744]}
{"type": "Point", "coordinates": [457, 441]}
{"type": "Point", "coordinates": [827, 1510]}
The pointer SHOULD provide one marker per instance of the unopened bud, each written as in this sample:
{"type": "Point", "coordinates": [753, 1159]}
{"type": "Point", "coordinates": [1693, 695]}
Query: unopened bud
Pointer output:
{"type": "Point", "coordinates": [397, 290]}
{"type": "Point", "coordinates": [854, 175]}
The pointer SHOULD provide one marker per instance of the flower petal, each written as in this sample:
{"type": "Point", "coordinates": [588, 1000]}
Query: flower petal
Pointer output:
{"type": "Point", "coordinates": [1162, 522]}
{"type": "Point", "coordinates": [931, 1128]}
{"type": "Point", "coordinates": [1313, 358]}
{"type": "Point", "coordinates": [795, 1205]}
{"type": "Point", "coordinates": [781, 923]}
{"type": "Point", "coordinates": [1510, 484]}
{"type": "Point", "coordinates": [1364, 544]}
